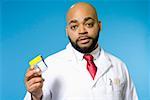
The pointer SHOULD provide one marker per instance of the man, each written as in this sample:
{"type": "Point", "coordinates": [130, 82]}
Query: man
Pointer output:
{"type": "Point", "coordinates": [83, 71]}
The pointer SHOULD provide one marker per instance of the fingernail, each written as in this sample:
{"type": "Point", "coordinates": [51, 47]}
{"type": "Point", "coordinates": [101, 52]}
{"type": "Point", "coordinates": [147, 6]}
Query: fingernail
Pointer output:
{"type": "Point", "coordinates": [37, 70]}
{"type": "Point", "coordinates": [32, 66]}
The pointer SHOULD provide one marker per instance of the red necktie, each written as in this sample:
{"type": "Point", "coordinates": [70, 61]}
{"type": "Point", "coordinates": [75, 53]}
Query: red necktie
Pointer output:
{"type": "Point", "coordinates": [90, 65]}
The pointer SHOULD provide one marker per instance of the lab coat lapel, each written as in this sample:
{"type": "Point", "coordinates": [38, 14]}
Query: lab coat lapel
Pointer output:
{"type": "Point", "coordinates": [69, 53]}
{"type": "Point", "coordinates": [71, 60]}
{"type": "Point", "coordinates": [103, 64]}
{"type": "Point", "coordinates": [70, 57]}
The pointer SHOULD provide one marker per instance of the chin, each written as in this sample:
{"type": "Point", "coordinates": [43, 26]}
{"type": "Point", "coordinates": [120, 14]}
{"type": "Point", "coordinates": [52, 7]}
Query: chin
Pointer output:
{"type": "Point", "coordinates": [84, 46]}
{"type": "Point", "coordinates": [87, 45]}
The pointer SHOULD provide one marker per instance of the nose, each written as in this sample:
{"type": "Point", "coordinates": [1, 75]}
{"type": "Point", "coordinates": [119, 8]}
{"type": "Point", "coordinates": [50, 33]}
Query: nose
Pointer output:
{"type": "Point", "coordinates": [82, 30]}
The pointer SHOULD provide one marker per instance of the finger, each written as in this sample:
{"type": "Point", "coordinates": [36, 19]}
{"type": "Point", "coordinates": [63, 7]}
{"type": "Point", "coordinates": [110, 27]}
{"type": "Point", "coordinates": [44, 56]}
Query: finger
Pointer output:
{"type": "Point", "coordinates": [35, 87]}
{"type": "Point", "coordinates": [32, 73]}
{"type": "Point", "coordinates": [38, 71]}
{"type": "Point", "coordinates": [31, 67]}
{"type": "Point", "coordinates": [34, 80]}
{"type": "Point", "coordinates": [29, 74]}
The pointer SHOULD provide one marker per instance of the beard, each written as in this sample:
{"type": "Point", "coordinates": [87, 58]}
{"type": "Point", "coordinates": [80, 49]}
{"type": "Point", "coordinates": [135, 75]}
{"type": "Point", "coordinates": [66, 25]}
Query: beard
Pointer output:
{"type": "Point", "coordinates": [88, 49]}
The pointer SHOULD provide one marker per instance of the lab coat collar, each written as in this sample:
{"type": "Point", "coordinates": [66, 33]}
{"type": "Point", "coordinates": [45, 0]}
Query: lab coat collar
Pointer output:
{"type": "Point", "coordinates": [79, 56]}
{"type": "Point", "coordinates": [103, 61]}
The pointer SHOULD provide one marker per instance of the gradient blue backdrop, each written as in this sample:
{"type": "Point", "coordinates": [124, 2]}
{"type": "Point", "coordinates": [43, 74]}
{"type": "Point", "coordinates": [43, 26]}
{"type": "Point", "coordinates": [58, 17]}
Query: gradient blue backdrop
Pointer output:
{"type": "Point", "coordinates": [32, 27]}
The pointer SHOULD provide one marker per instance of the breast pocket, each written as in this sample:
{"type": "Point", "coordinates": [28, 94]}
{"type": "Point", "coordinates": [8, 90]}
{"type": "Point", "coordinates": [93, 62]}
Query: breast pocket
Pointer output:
{"type": "Point", "coordinates": [115, 88]}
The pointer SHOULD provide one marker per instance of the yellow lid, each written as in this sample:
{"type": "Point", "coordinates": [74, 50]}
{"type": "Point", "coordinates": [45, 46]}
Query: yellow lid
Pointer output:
{"type": "Point", "coordinates": [35, 61]}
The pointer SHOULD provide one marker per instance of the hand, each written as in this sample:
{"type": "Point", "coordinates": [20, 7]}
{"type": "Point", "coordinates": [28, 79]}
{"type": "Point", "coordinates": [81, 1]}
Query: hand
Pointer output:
{"type": "Point", "coordinates": [34, 83]}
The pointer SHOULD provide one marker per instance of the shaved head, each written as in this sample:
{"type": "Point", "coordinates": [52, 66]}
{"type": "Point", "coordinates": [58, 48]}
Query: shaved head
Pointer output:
{"type": "Point", "coordinates": [81, 7]}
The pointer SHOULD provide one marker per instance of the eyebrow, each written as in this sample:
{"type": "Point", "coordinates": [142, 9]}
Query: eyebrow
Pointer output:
{"type": "Point", "coordinates": [85, 19]}
{"type": "Point", "coordinates": [73, 21]}
{"type": "Point", "coordinates": [88, 18]}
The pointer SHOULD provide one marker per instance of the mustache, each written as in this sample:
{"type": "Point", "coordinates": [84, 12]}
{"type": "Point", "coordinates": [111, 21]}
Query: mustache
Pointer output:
{"type": "Point", "coordinates": [83, 38]}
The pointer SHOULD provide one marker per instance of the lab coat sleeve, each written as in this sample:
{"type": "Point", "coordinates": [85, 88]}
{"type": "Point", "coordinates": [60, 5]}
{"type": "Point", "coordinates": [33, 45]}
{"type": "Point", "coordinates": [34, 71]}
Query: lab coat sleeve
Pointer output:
{"type": "Point", "coordinates": [28, 96]}
{"type": "Point", "coordinates": [129, 91]}
{"type": "Point", "coordinates": [46, 95]}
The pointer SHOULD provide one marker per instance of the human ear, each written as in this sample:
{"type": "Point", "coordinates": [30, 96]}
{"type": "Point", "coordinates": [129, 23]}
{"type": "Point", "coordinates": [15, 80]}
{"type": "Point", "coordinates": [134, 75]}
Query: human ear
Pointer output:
{"type": "Point", "coordinates": [67, 31]}
{"type": "Point", "coordinates": [100, 25]}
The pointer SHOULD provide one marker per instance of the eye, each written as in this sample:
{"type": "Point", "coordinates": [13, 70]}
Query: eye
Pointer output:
{"type": "Point", "coordinates": [89, 25]}
{"type": "Point", "coordinates": [73, 27]}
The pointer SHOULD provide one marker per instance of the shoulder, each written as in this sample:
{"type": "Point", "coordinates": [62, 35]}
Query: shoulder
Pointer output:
{"type": "Point", "coordinates": [56, 56]}
{"type": "Point", "coordinates": [118, 66]}
{"type": "Point", "coordinates": [116, 63]}
{"type": "Point", "coordinates": [113, 59]}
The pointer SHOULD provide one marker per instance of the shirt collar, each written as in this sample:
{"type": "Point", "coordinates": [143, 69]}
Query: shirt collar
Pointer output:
{"type": "Point", "coordinates": [79, 56]}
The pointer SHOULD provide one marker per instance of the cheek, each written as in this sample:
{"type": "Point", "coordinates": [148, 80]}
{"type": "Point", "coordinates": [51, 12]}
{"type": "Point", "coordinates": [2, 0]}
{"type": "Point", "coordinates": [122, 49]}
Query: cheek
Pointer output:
{"type": "Point", "coordinates": [73, 36]}
{"type": "Point", "coordinates": [93, 32]}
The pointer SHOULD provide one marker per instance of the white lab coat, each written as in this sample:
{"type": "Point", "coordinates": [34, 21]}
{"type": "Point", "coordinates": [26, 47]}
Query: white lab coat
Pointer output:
{"type": "Point", "coordinates": [67, 80]}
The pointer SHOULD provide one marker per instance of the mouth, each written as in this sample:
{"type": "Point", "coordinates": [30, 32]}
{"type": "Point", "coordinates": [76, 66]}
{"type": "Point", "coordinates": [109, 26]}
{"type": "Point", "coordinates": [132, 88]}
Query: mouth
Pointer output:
{"type": "Point", "coordinates": [84, 40]}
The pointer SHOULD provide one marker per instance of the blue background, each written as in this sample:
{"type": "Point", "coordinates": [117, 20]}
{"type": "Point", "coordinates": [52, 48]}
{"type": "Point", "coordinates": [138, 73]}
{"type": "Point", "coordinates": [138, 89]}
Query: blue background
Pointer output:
{"type": "Point", "coordinates": [32, 27]}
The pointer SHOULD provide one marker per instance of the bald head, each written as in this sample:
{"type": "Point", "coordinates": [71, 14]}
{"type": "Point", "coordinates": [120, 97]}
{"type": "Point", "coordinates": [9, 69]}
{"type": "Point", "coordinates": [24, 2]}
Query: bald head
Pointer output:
{"type": "Point", "coordinates": [81, 9]}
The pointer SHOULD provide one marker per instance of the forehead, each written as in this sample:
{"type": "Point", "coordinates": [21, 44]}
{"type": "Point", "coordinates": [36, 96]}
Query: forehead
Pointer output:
{"type": "Point", "coordinates": [79, 13]}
